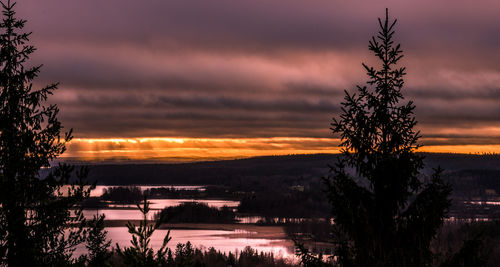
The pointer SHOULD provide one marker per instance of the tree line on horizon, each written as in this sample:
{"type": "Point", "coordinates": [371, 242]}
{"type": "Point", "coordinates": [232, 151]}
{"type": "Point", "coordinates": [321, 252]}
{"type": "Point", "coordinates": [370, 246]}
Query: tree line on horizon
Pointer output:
{"type": "Point", "coordinates": [384, 214]}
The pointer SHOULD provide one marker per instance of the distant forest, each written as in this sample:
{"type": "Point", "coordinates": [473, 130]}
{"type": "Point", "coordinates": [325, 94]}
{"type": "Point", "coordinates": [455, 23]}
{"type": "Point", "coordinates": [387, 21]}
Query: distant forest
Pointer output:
{"type": "Point", "coordinates": [291, 186]}
{"type": "Point", "coordinates": [291, 169]}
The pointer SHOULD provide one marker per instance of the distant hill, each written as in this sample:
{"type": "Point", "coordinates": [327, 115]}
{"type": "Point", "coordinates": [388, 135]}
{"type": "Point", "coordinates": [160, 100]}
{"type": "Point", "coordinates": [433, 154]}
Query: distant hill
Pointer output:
{"type": "Point", "coordinates": [212, 172]}
{"type": "Point", "coordinates": [269, 167]}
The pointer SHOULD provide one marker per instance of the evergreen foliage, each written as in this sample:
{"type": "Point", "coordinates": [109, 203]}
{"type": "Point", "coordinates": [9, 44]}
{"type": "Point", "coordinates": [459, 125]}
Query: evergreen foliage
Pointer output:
{"type": "Point", "coordinates": [187, 255]}
{"type": "Point", "coordinates": [384, 214]}
{"type": "Point", "coordinates": [97, 245]}
{"type": "Point", "coordinates": [184, 254]}
{"type": "Point", "coordinates": [140, 253]}
{"type": "Point", "coordinates": [36, 211]}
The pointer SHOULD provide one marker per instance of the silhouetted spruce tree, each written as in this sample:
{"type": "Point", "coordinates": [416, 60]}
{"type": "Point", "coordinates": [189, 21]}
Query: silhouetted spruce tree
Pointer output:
{"type": "Point", "coordinates": [35, 212]}
{"type": "Point", "coordinates": [97, 244]}
{"type": "Point", "coordinates": [384, 214]}
{"type": "Point", "coordinates": [141, 253]}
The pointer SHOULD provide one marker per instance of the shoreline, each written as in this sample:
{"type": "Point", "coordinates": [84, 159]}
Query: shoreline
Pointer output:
{"type": "Point", "coordinates": [240, 229]}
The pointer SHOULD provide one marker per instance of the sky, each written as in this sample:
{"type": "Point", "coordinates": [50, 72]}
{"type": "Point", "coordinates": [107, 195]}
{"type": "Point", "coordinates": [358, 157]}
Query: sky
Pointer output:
{"type": "Point", "coordinates": [217, 79]}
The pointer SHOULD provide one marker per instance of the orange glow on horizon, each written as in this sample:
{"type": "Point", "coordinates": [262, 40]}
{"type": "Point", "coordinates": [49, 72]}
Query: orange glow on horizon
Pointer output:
{"type": "Point", "coordinates": [188, 149]}
{"type": "Point", "coordinates": [463, 149]}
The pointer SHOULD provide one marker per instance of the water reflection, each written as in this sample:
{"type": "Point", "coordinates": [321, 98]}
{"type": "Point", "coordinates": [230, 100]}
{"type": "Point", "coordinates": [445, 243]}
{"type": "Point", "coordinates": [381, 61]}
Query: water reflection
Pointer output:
{"type": "Point", "coordinates": [225, 241]}
{"type": "Point", "coordinates": [493, 203]}
{"type": "Point", "coordinates": [130, 212]}
{"type": "Point", "coordinates": [116, 214]}
{"type": "Point", "coordinates": [164, 203]}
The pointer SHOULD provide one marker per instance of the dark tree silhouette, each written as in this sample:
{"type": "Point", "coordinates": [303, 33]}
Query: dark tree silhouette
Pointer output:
{"type": "Point", "coordinates": [35, 210]}
{"type": "Point", "coordinates": [384, 214]}
{"type": "Point", "coordinates": [141, 253]}
{"type": "Point", "coordinates": [98, 246]}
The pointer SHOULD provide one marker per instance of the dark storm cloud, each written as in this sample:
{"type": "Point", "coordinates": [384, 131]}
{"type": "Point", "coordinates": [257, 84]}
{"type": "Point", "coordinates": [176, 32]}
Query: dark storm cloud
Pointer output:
{"type": "Point", "coordinates": [292, 24]}
{"type": "Point", "coordinates": [452, 94]}
{"type": "Point", "coordinates": [258, 68]}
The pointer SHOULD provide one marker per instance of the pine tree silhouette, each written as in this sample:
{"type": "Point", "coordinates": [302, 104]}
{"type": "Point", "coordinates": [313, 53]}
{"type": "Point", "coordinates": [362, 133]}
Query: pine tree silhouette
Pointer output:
{"type": "Point", "coordinates": [141, 253]}
{"type": "Point", "coordinates": [97, 243]}
{"type": "Point", "coordinates": [384, 214]}
{"type": "Point", "coordinates": [35, 211]}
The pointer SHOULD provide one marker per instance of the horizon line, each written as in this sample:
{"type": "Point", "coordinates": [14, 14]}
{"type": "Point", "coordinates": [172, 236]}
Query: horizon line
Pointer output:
{"type": "Point", "coordinates": [150, 148]}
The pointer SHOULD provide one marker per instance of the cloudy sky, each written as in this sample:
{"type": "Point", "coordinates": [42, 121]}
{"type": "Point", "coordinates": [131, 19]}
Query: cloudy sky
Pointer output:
{"type": "Point", "coordinates": [226, 73]}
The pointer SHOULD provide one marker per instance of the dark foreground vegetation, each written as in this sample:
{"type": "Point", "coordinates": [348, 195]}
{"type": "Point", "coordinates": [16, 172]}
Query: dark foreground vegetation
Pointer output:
{"type": "Point", "coordinates": [387, 207]}
{"type": "Point", "coordinates": [142, 254]}
{"type": "Point", "coordinates": [467, 244]}
{"type": "Point", "coordinates": [384, 213]}
{"type": "Point", "coordinates": [186, 255]}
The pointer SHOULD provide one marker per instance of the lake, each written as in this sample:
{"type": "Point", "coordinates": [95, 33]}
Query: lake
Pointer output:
{"type": "Point", "coordinates": [223, 240]}
{"type": "Point", "coordinates": [130, 211]}
{"type": "Point", "coordinates": [230, 238]}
